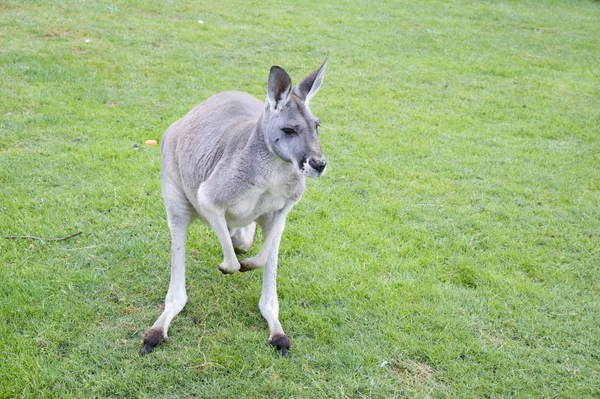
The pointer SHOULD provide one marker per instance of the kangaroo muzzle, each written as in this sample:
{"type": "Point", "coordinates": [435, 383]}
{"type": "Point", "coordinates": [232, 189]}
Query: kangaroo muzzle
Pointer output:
{"type": "Point", "coordinates": [313, 166]}
{"type": "Point", "coordinates": [318, 164]}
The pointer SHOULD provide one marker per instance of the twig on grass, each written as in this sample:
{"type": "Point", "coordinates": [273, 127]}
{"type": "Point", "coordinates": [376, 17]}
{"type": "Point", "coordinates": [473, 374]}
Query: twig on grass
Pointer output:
{"type": "Point", "coordinates": [41, 238]}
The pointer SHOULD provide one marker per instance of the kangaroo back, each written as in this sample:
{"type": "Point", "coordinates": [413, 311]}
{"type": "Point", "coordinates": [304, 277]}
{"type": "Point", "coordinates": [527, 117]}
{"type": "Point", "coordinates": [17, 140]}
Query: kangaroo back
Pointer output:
{"type": "Point", "coordinates": [214, 131]}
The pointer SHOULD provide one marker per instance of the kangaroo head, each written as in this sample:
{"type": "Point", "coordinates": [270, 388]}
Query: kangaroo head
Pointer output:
{"type": "Point", "coordinates": [290, 127]}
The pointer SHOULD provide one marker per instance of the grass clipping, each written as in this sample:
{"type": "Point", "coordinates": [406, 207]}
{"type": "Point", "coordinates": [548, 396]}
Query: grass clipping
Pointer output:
{"type": "Point", "coordinates": [418, 376]}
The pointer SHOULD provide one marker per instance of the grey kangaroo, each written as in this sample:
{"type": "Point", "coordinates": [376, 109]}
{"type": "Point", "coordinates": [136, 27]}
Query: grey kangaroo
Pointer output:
{"type": "Point", "coordinates": [235, 162]}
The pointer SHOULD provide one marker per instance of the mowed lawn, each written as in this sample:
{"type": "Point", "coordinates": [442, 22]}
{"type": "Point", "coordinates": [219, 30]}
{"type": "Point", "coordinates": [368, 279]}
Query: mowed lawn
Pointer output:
{"type": "Point", "coordinates": [452, 249]}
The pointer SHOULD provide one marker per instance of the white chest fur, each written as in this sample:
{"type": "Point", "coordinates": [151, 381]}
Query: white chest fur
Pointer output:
{"type": "Point", "coordinates": [254, 203]}
{"type": "Point", "coordinates": [262, 199]}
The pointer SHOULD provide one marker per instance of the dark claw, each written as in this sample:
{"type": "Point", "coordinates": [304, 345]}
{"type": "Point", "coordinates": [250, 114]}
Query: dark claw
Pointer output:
{"type": "Point", "coordinates": [146, 348]}
{"type": "Point", "coordinates": [243, 267]}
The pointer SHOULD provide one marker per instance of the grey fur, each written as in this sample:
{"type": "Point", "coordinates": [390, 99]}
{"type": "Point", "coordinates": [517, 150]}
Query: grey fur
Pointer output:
{"type": "Point", "coordinates": [235, 162]}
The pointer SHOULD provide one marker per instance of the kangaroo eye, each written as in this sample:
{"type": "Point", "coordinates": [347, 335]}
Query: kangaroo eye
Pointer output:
{"type": "Point", "coordinates": [288, 130]}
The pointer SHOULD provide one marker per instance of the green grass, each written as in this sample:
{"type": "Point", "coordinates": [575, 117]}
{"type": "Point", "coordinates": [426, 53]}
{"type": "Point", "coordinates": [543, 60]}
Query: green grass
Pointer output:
{"type": "Point", "coordinates": [452, 250]}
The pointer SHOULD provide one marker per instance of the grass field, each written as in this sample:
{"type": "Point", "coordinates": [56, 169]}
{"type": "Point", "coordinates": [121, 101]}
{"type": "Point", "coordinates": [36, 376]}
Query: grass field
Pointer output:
{"type": "Point", "coordinates": [452, 250]}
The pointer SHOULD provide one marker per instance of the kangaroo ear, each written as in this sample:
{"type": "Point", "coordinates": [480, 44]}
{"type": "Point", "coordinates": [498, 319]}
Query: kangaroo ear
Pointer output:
{"type": "Point", "coordinates": [279, 87]}
{"type": "Point", "coordinates": [309, 86]}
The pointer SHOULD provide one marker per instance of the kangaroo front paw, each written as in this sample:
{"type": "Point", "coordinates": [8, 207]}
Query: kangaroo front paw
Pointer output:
{"type": "Point", "coordinates": [249, 264]}
{"type": "Point", "coordinates": [229, 268]}
{"type": "Point", "coordinates": [281, 342]}
{"type": "Point", "coordinates": [152, 337]}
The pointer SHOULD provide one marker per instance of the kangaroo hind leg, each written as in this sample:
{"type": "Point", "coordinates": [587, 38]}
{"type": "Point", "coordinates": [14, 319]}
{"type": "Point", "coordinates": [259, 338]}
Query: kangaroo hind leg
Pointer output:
{"type": "Point", "coordinates": [179, 215]}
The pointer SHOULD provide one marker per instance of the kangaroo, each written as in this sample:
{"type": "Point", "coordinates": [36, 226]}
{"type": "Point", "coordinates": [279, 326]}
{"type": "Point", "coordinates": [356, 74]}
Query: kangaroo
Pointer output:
{"type": "Point", "coordinates": [235, 162]}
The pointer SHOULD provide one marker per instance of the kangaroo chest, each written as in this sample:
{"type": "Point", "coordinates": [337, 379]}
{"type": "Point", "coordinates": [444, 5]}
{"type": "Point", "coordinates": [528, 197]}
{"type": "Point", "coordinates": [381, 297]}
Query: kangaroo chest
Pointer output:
{"type": "Point", "coordinates": [261, 199]}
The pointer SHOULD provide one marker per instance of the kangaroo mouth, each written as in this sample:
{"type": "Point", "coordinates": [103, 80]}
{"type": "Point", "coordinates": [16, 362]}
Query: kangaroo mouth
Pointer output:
{"type": "Point", "coordinates": [311, 167]}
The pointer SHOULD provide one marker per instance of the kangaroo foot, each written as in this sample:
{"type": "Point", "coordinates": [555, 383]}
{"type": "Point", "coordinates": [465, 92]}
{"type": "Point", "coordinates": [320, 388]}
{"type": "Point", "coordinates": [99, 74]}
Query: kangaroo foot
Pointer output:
{"type": "Point", "coordinates": [281, 342]}
{"type": "Point", "coordinates": [152, 337]}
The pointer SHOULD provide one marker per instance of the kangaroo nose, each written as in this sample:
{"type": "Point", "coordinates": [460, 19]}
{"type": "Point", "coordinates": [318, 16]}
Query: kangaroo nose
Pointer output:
{"type": "Point", "coordinates": [318, 165]}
